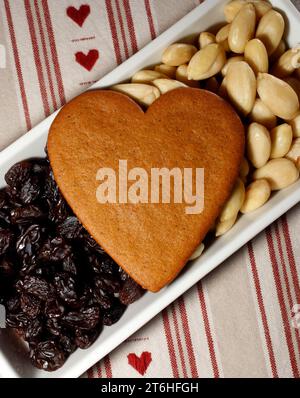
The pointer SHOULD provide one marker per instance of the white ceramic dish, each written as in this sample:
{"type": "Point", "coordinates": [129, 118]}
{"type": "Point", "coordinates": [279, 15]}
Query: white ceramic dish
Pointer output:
{"type": "Point", "coordinates": [13, 358]}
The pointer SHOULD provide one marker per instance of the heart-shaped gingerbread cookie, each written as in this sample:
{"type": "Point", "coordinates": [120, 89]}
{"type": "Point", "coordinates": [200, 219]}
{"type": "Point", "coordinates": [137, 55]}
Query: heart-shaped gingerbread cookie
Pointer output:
{"type": "Point", "coordinates": [184, 129]}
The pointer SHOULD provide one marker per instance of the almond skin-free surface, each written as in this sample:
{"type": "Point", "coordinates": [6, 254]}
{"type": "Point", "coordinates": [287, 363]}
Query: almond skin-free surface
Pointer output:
{"type": "Point", "coordinates": [185, 128]}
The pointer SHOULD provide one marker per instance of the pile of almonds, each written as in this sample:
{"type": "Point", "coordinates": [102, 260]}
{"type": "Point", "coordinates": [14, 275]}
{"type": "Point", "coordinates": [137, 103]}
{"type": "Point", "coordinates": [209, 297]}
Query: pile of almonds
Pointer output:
{"type": "Point", "coordinates": [246, 62]}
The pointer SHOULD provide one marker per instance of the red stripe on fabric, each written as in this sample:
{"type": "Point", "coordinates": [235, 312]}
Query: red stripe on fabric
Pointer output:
{"type": "Point", "coordinates": [107, 366]}
{"type": "Point", "coordinates": [44, 46]}
{"type": "Point", "coordinates": [114, 32]}
{"type": "Point", "coordinates": [285, 275]}
{"type": "Point", "coordinates": [99, 370]}
{"type": "Point", "coordinates": [130, 25]}
{"type": "Point", "coordinates": [210, 341]}
{"type": "Point", "coordinates": [280, 295]}
{"type": "Point", "coordinates": [18, 64]}
{"type": "Point", "coordinates": [188, 339]}
{"type": "Point", "coordinates": [37, 58]}
{"type": "Point", "coordinates": [263, 314]}
{"type": "Point", "coordinates": [90, 373]}
{"type": "Point", "coordinates": [150, 19]}
{"type": "Point", "coordinates": [170, 344]}
{"type": "Point", "coordinates": [54, 54]}
{"type": "Point", "coordinates": [178, 338]}
{"type": "Point", "coordinates": [122, 29]}
{"type": "Point", "coordinates": [291, 257]}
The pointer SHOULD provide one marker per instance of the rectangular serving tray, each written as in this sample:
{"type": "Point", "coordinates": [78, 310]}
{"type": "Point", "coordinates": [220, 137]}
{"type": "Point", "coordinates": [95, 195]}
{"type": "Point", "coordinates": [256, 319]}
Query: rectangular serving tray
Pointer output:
{"type": "Point", "coordinates": [14, 360]}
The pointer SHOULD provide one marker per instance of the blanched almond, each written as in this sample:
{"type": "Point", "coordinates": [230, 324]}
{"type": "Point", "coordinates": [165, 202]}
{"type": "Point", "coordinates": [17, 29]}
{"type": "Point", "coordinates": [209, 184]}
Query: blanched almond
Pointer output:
{"type": "Point", "coordinates": [280, 173]}
{"type": "Point", "coordinates": [286, 64]}
{"type": "Point", "coordinates": [270, 30]}
{"type": "Point", "coordinates": [294, 153]}
{"type": "Point", "coordinates": [233, 7]}
{"type": "Point", "coordinates": [281, 137]}
{"type": "Point", "coordinates": [256, 55]}
{"type": "Point", "coordinates": [167, 70]}
{"type": "Point", "coordinates": [165, 85]}
{"type": "Point", "coordinates": [295, 124]}
{"type": "Point", "coordinates": [178, 54]}
{"type": "Point", "coordinates": [235, 202]}
{"type": "Point", "coordinates": [146, 76]}
{"type": "Point", "coordinates": [279, 97]}
{"type": "Point", "coordinates": [258, 145]}
{"type": "Point", "coordinates": [222, 37]}
{"type": "Point", "coordinates": [207, 62]}
{"type": "Point", "coordinates": [198, 252]}
{"type": "Point", "coordinates": [237, 58]}
{"type": "Point", "coordinates": [261, 7]}
{"type": "Point", "coordinates": [206, 38]}
{"type": "Point", "coordinates": [257, 194]}
{"type": "Point", "coordinates": [141, 93]}
{"type": "Point", "coordinates": [242, 29]}
{"type": "Point", "coordinates": [241, 86]}
{"type": "Point", "coordinates": [261, 114]}
{"type": "Point", "coordinates": [223, 227]}
{"type": "Point", "coordinates": [182, 76]}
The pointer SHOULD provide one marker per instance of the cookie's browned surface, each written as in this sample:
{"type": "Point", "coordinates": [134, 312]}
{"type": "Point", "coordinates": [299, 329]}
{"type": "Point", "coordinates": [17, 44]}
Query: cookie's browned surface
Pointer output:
{"type": "Point", "coordinates": [186, 128]}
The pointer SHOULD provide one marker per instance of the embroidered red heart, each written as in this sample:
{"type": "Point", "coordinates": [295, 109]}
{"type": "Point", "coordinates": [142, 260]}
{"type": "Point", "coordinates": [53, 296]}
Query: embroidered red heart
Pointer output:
{"type": "Point", "coordinates": [140, 364]}
{"type": "Point", "coordinates": [89, 60]}
{"type": "Point", "coordinates": [79, 16]}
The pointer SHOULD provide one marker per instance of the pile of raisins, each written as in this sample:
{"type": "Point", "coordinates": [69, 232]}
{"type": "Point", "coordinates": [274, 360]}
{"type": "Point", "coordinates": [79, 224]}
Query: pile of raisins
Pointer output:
{"type": "Point", "coordinates": [57, 284]}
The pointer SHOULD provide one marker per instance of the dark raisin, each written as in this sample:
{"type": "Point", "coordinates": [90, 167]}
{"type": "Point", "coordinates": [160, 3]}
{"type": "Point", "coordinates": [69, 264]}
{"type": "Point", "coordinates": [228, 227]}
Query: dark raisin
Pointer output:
{"type": "Point", "coordinates": [85, 339]}
{"type": "Point", "coordinates": [27, 215]}
{"type": "Point", "coordinates": [18, 173]}
{"type": "Point", "coordinates": [51, 192]}
{"type": "Point", "coordinates": [86, 319]}
{"type": "Point", "coordinates": [55, 250]}
{"type": "Point", "coordinates": [17, 321]}
{"type": "Point", "coordinates": [108, 284]}
{"type": "Point", "coordinates": [47, 355]}
{"type": "Point", "coordinates": [130, 292]}
{"type": "Point", "coordinates": [68, 345]}
{"type": "Point", "coordinates": [33, 330]}
{"type": "Point", "coordinates": [30, 190]}
{"type": "Point", "coordinates": [70, 228]}
{"type": "Point", "coordinates": [113, 315]}
{"type": "Point", "coordinates": [68, 265]}
{"type": "Point", "coordinates": [38, 287]}
{"type": "Point", "coordinates": [90, 244]}
{"type": "Point", "coordinates": [53, 309]}
{"type": "Point", "coordinates": [6, 240]}
{"type": "Point", "coordinates": [65, 287]}
{"type": "Point", "coordinates": [58, 211]}
{"type": "Point", "coordinates": [104, 265]}
{"type": "Point", "coordinates": [28, 245]}
{"type": "Point", "coordinates": [102, 298]}
{"type": "Point", "coordinates": [53, 326]}
{"type": "Point", "coordinates": [30, 305]}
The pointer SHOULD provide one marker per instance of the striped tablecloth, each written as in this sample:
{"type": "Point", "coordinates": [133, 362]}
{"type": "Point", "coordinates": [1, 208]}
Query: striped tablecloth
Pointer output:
{"type": "Point", "coordinates": [239, 321]}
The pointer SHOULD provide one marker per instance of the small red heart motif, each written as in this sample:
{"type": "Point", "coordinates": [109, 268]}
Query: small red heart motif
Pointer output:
{"type": "Point", "coordinates": [89, 60]}
{"type": "Point", "coordinates": [140, 364]}
{"type": "Point", "coordinates": [79, 16]}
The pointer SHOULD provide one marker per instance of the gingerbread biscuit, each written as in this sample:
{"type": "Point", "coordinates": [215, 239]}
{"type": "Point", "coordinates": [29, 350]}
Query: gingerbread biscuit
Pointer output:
{"type": "Point", "coordinates": [185, 128]}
